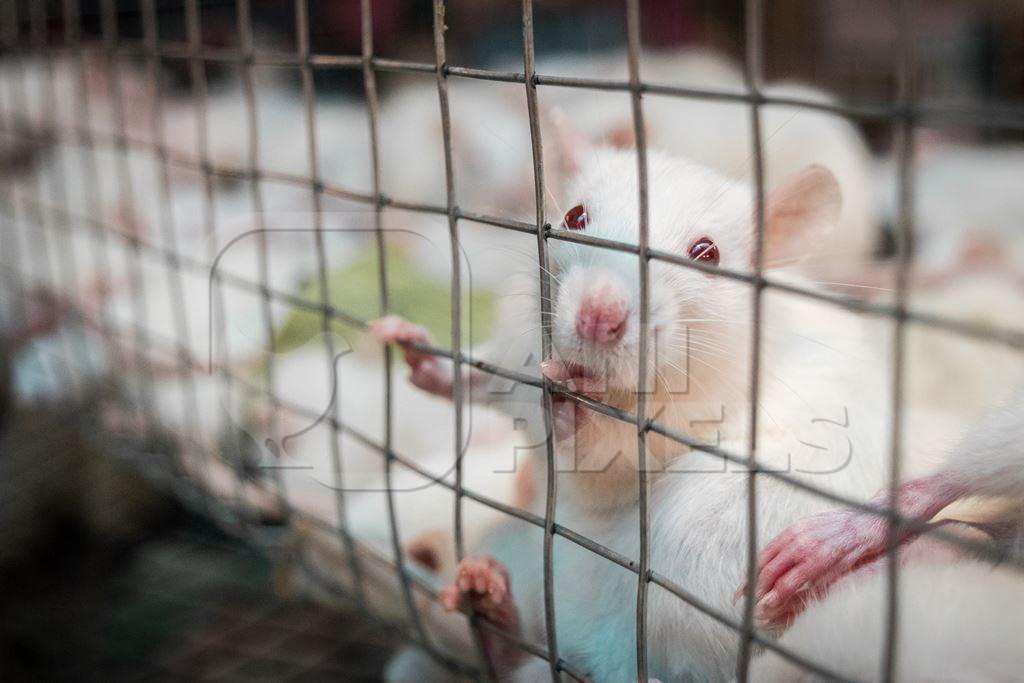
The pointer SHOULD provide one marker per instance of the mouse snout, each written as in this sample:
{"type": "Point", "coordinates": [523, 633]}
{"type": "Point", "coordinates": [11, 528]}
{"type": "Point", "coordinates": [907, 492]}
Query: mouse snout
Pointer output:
{"type": "Point", "coordinates": [601, 318]}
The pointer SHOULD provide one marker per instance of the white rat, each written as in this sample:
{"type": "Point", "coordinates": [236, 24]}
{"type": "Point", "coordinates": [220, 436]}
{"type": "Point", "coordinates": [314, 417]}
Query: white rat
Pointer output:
{"type": "Point", "coordinates": [822, 411]}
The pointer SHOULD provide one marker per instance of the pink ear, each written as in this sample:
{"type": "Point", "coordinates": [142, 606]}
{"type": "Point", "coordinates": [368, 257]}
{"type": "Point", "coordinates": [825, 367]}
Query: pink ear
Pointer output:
{"type": "Point", "coordinates": [570, 145]}
{"type": "Point", "coordinates": [798, 214]}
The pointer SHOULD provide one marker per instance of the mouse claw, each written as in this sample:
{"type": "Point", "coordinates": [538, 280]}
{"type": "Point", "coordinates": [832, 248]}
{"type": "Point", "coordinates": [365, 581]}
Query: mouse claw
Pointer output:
{"type": "Point", "coordinates": [740, 592]}
{"type": "Point", "coordinates": [554, 370]}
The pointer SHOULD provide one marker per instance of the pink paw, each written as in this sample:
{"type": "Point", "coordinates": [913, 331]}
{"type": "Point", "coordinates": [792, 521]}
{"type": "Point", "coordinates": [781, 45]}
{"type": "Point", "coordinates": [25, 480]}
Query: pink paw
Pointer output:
{"type": "Point", "coordinates": [806, 559]}
{"type": "Point", "coordinates": [812, 554]}
{"type": "Point", "coordinates": [426, 369]}
{"type": "Point", "coordinates": [394, 329]}
{"type": "Point", "coordinates": [484, 583]}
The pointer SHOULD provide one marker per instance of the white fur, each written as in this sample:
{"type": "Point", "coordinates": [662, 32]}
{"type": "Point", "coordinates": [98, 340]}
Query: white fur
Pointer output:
{"type": "Point", "coordinates": [960, 374]}
{"type": "Point", "coordinates": [957, 622]}
{"type": "Point", "coordinates": [989, 459]}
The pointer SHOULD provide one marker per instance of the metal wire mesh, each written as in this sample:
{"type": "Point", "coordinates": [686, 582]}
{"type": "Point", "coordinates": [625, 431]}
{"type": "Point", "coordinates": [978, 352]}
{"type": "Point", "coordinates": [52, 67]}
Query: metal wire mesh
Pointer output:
{"type": "Point", "coordinates": [25, 35]}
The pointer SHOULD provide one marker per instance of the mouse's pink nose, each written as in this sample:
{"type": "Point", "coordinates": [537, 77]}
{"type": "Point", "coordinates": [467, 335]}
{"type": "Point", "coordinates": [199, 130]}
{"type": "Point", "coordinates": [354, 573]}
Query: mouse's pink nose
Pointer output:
{"type": "Point", "coordinates": [601, 320]}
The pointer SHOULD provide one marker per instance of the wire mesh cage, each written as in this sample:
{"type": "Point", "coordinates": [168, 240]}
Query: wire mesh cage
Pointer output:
{"type": "Point", "coordinates": [165, 281]}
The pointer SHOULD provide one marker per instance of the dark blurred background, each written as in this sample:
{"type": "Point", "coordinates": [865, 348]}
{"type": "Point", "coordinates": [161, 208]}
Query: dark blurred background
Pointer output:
{"type": "Point", "coordinates": [965, 50]}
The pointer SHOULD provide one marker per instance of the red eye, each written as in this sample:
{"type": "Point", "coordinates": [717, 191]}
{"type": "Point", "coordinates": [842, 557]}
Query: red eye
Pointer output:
{"type": "Point", "coordinates": [576, 218]}
{"type": "Point", "coordinates": [704, 250]}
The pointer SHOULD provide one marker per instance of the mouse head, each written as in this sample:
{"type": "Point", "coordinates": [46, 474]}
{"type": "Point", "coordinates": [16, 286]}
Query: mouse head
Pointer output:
{"type": "Point", "coordinates": [694, 214]}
